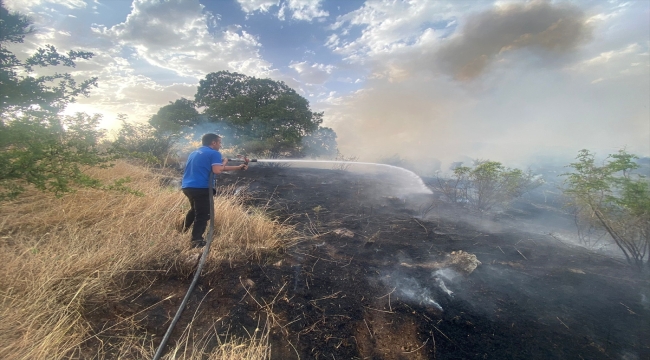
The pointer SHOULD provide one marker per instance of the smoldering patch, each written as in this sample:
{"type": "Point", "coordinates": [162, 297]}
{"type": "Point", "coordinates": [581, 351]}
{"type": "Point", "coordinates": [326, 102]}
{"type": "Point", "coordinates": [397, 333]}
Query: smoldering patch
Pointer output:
{"type": "Point", "coordinates": [428, 291]}
{"type": "Point", "coordinates": [410, 290]}
{"type": "Point", "coordinates": [443, 287]}
{"type": "Point", "coordinates": [445, 276]}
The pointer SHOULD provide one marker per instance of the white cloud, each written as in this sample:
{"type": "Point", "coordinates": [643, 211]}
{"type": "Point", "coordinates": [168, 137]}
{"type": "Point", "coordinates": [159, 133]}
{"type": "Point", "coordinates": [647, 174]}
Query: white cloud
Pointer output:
{"type": "Point", "coordinates": [312, 74]}
{"type": "Point", "coordinates": [176, 35]}
{"type": "Point", "coordinates": [332, 41]}
{"type": "Point", "coordinates": [27, 6]}
{"type": "Point", "coordinates": [629, 60]}
{"type": "Point", "coordinates": [122, 90]}
{"type": "Point", "coordinates": [302, 10]}
{"type": "Point", "coordinates": [391, 25]}
{"type": "Point", "coordinates": [306, 10]}
{"type": "Point", "coordinates": [605, 57]}
{"type": "Point", "coordinates": [249, 6]}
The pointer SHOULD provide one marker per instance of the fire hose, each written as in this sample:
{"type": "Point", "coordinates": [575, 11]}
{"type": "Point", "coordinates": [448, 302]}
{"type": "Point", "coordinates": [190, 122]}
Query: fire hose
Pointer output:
{"type": "Point", "coordinates": [204, 256]}
{"type": "Point", "coordinates": [245, 160]}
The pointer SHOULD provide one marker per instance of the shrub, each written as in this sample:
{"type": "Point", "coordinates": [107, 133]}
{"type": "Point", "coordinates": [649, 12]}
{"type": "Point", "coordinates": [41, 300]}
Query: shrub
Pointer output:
{"type": "Point", "coordinates": [612, 197]}
{"type": "Point", "coordinates": [144, 142]}
{"type": "Point", "coordinates": [50, 153]}
{"type": "Point", "coordinates": [486, 184]}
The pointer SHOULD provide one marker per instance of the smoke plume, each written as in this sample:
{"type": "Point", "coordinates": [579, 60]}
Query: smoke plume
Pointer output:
{"type": "Point", "coordinates": [539, 25]}
{"type": "Point", "coordinates": [518, 84]}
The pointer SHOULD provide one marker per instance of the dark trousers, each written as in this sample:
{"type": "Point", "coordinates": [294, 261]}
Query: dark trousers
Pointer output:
{"type": "Point", "coordinates": [199, 212]}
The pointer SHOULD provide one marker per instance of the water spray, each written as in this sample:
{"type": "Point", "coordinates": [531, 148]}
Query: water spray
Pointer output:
{"type": "Point", "coordinates": [411, 174]}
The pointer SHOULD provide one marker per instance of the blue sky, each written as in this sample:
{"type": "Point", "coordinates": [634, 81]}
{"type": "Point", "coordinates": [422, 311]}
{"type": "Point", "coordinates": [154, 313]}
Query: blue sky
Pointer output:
{"type": "Point", "coordinates": [506, 80]}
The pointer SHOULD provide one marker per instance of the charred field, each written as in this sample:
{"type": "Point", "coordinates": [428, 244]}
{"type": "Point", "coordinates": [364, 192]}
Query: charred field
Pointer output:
{"type": "Point", "coordinates": [373, 279]}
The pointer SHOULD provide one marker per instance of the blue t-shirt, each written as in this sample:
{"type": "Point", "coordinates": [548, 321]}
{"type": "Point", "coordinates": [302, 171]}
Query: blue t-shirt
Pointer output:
{"type": "Point", "coordinates": [199, 166]}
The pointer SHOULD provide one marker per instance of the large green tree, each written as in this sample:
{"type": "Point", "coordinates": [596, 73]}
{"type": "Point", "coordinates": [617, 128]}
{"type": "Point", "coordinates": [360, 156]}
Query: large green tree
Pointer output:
{"type": "Point", "coordinates": [262, 115]}
{"type": "Point", "coordinates": [38, 146]}
{"type": "Point", "coordinates": [172, 117]}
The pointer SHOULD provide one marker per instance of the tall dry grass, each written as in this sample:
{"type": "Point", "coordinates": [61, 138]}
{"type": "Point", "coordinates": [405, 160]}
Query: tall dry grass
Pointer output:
{"type": "Point", "coordinates": [62, 257]}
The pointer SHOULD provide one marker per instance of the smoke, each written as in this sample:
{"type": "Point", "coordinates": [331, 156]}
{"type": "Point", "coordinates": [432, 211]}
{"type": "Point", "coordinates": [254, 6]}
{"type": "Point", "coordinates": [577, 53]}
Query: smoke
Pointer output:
{"type": "Point", "coordinates": [538, 25]}
{"type": "Point", "coordinates": [521, 84]}
{"type": "Point", "coordinates": [409, 289]}
{"type": "Point", "coordinates": [424, 292]}
{"type": "Point", "coordinates": [190, 138]}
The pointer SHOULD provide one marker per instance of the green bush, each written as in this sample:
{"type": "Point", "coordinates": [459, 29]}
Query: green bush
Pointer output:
{"type": "Point", "coordinates": [49, 153]}
{"type": "Point", "coordinates": [145, 143]}
{"type": "Point", "coordinates": [39, 146]}
{"type": "Point", "coordinates": [612, 197]}
{"type": "Point", "coordinates": [486, 184]}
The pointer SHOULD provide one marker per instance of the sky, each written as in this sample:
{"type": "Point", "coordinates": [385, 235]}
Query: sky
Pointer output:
{"type": "Point", "coordinates": [512, 81]}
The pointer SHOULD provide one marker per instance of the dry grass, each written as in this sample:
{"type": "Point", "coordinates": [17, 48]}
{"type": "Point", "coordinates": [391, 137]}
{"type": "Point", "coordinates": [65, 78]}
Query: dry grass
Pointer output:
{"type": "Point", "coordinates": [256, 346]}
{"type": "Point", "coordinates": [60, 258]}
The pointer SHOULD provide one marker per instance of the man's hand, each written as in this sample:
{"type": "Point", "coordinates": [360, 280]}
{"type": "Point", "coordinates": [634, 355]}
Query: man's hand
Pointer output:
{"type": "Point", "coordinates": [243, 167]}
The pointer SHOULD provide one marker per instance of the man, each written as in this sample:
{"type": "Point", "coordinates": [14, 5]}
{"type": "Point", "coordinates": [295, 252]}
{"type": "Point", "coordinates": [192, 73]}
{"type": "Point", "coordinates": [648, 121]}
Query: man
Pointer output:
{"type": "Point", "coordinates": [196, 184]}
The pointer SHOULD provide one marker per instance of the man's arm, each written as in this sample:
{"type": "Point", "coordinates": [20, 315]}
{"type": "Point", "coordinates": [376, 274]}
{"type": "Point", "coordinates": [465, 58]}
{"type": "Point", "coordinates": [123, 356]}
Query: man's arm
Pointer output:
{"type": "Point", "coordinates": [217, 169]}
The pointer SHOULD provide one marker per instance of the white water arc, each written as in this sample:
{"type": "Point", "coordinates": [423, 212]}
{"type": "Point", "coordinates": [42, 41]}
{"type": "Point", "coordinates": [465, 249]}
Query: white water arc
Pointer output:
{"type": "Point", "coordinates": [413, 176]}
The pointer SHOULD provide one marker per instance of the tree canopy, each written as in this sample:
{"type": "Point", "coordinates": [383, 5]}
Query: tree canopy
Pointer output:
{"type": "Point", "coordinates": [35, 93]}
{"type": "Point", "coordinates": [261, 114]}
{"type": "Point", "coordinates": [487, 184]}
{"type": "Point", "coordinates": [175, 115]}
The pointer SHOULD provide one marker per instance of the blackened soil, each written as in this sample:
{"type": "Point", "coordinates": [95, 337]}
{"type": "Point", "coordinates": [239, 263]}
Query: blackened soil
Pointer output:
{"type": "Point", "coordinates": [378, 294]}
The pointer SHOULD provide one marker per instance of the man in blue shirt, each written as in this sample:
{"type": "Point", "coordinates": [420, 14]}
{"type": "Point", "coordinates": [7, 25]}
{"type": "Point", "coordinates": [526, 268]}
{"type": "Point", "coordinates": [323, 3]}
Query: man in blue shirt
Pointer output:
{"type": "Point", "coordinates": [196, 184]}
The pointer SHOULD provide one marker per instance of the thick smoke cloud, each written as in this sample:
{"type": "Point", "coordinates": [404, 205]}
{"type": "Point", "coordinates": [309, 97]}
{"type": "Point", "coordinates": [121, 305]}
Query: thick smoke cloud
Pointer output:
{"type": "Point", "coordinates": [539, 25]}
{"type": "Point", "coordinates": [522, 84]}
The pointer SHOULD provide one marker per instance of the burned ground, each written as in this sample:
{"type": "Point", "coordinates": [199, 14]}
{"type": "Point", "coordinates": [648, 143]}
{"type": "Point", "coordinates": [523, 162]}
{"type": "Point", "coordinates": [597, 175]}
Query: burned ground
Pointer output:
{"type": "Point", "coordinates": [372, 280]}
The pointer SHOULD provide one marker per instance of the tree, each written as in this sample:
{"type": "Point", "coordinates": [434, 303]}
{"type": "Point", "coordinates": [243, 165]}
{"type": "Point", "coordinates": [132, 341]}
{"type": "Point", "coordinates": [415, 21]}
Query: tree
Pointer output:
{"type": "Point", "coordinates": [144, 142]}
{"type": "Point", "coordinates": [321, 142]}
{"type": "Point", "coordinates": [43, 94]}
{"type": "Point", "coordinates": [173, 117]}
{"type": "Point", "coordinates": [486, 184]}
{"type": "Point", "coordinates": [38, 146]}
{"type": "Point", "coordinates": [612, 197]}
{"type": "Point", "coordinates": [262, 114]}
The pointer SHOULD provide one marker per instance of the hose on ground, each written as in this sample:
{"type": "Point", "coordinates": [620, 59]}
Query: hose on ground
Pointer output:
{"type": "Point", "coordinates": [204, 256]}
